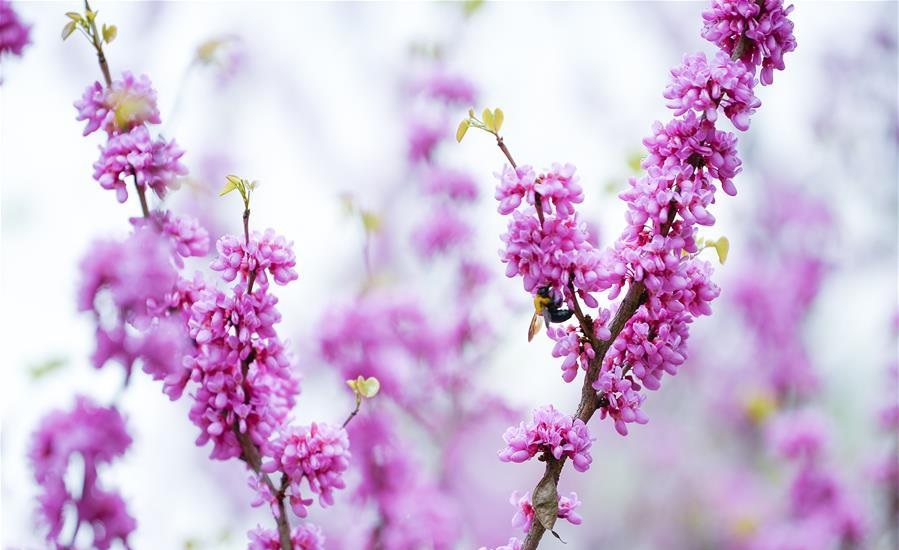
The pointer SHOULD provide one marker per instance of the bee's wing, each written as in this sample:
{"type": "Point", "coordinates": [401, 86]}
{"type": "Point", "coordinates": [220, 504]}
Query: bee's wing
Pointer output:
{"type": "Point", "coordinates": [534, 328]}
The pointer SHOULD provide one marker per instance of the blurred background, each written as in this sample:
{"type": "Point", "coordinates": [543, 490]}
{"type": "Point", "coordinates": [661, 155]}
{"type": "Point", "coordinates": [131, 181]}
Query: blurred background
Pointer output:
{"type": "Point", "coordinates": [337, 110]}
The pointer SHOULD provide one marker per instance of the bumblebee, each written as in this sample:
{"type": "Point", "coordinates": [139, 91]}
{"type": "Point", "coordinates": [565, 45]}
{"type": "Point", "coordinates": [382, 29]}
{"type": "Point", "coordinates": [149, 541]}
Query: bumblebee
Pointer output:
{"type": "Point", "coordinates": [547, 308]}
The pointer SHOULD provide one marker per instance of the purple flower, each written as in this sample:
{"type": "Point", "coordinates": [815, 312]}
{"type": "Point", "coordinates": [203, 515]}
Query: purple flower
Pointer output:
{"type": "Point", "coordinates": [318, 454]}
{"type": "Point", "coordinates": [441, 232]}
{"type": "Point", "coordinates": [127, 104]}
{"type": "Point", "coordinates": [244, 375]}
{"type": "Point", "coordinates": [98, 435]}
{"type": "Point", "coordinates": [621, 393]}
{"type": "Point", "coordinates": [153, 164]}
{"type": "Point", "coordinates": [514, 185]}
{"type": "Point", "coordinates": [456, 185]}
{"type": "Point", "coordinates": [798, 436]}
{"type": "Point", "coordinates": [765, 25]}
{"type": "Point", "coordinates": [513, 544]}
{"type": "Point", "coordinates": [423, 138]}
{"type": "Point", "coordinates": [560, 188]}
{"type": "Point", "coordinates": [449, 88]}
{"type": "Point", "coordinates": [571, 345]}
{"type": "Point", "coordinates": [267, 252]}
{"type": "Point", "coordinates": [702, 87]}
{"type": "Point", "coordinates": [549, 432]}
{"type": "Point", "coordinates": [14, 35]}
{"type": "Point", "coordinates": [554, 254]}
{"type": "Point", "coordinates": [524, 510]}
{"type": "Point", "coordinates": [304, 536]}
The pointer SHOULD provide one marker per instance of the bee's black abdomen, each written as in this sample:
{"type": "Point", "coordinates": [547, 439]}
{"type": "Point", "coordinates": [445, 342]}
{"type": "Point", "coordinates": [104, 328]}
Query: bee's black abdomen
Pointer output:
{"type": "Point", "coordinates": [560, 315]}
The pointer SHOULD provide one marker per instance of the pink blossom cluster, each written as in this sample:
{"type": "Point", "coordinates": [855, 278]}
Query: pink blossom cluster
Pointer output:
{"type": "Point", "coordinates": [264, 254]}
{"type": "Point", "coordinates": [524, 510]}
{"type": "Point", "coordinates": [14, 34]}
{"type": "Point", "coordinates": [760, 29]}
{"type": "Point", "coordinates": [244, 375]}
{"type": "Point", "coordinates": [123, 110]}
{"type": "Point", "coordinates": [820, 512]}
{"type": "Point", "coordinates": [318, 454]}
{"type": "Point", "coordinates": [550, 432]}
{"type": "Point", "coordinates": [447, 87]}
{"type": "Point", "coordinates": [513, 544]}
{"type": "Point", "coordinates": [305, 536]}
{"type": "Point", "coordinates": [187, 236]}
{"type": "Point", "coordinates": [98, 435]}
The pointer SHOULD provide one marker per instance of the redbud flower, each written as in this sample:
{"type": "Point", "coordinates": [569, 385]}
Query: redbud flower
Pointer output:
{"type": "Point", "coordinates": [128, 103]}
{"type": "Point", "coordinates": [456, 185]}
{"type": "Point", "coordinates": [514, 185]}
{"type": "Point", "coordinates": [107, 513]}
{"type": "Point", "coordinates": [423, 138]}
{"type": "Point", "coordinates": [448, 87]}
{"type": "Point", "coordinates": [559, 187]}
{"type": "Point", "coordinates": [550, 432]}
{"type": "Point", "coordinates": [304, 536]}
{"type": "Point", "coordinates": [267, 252]}
{"type": "Point", "coordinates": [14, 35]}
{"type": "Point", "coordinates": [245, 375]}
{"type": "Point", "coordinates": [318, 453]}
{"type": "Point", "coordinates": [702, 86]}
{"type": "Point", "coordinates": [571, 345]}
{"type": "Point", "coordinates": [624, 399]}
{"type": "Point", "coordinates": [513, 544]}
{"type": "Point", "coordinates": [764, 24]}
{"type": "Point", "coordinates": [524, 513]}
{"type": "Point", "coordinates": [153, 164]}
{"type": "Point", "coordinates": [798, 436]}
{"type": "Point", "coordinates": [442, 231]}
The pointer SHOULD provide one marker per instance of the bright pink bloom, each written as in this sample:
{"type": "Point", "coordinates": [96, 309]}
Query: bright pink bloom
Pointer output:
{"type": "Point", "coordinates": [14, 35]}
{"type": "Point", "coordinates": [524, 510]}
{"type": "Point", "coordinates": [703, 87]}
{"type": "Point", "coordinates": [622, 396]}
{"type": "Point", "coordinates": [550, 432]}
{"type": "Point", "coordinates": [304, 536]}
{"type": "Point", "coordinates": [134, 157]}
{"type": "Point", "coordinates": [318, 454]}
{"type": "Point", "coordinates": [266, 252]}
{"type": "Point", "coordinates": [768, 30]}
{"type": "Point", "coordinates": [128, 103]}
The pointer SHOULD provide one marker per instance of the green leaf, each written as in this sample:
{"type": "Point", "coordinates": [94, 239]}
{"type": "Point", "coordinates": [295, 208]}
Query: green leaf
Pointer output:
{"type": "Point", "coordinates": [487, 116]}
{"type": "Point", "coordinates": [229, 186]}
{"type": "Point", "coordinates": [371, 221]}
{"type": "Point", "coordinates": [109, 33]}
{"type": "Point", "coordinates": [463, 127]}
{"type": "Point", "coordinates": [722, 247]}
{"type": "Point", "coordinates": [73, 15]}
{"type": "Point", "coordinates": [497, 119]}
{"type": "Point", "coordinates": [368, 387]}
{"type": "Point", "coordinates": [68, 29]}
{"type": "Point", "coordinates": [47, 367]}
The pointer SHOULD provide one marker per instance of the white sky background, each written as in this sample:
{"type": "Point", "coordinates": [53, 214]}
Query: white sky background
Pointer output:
{"type": "Point", "coordinates": [319, 111]}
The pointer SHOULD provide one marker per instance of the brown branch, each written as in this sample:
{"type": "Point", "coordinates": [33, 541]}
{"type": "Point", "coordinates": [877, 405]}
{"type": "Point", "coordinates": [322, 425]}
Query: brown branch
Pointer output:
{"type": "Point", "coordinates": [98, 45]}
{"type": "Point", "coordinates": [141, 194]}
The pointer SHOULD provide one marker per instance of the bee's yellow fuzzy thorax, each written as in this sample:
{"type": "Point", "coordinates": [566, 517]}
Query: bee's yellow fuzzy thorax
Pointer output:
{"type": "Point", "coordinates": [540, 303]}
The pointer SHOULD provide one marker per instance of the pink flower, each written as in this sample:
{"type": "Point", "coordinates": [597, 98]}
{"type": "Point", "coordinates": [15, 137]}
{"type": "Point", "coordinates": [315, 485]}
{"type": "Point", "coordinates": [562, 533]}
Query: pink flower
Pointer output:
{"type": "Point", "coordinates": [244, 375]}
{"type": "Point", "coordinates": [128, 103]}
{"type": "Point", "coordinates": [153, 164]}
{"type": "Point", "coordinates": [549, 432]}
{"type": "Point", "coordinates": [449, 88]}
{"type": "Point", "coordinates": [704, 87]}
{"type": "Point", "coordinates": [571, 345]}
{"type": "Point", "coordinates": [456, 185]}
{"type": "Point", "coordinates": [441, 232]}
{"type": "Point", "coordinates": [765, 24]}
{"type": "Point", "coordinates": [524, 513]}
{"type": "Point", "coordinates": [14, 35]}
{"type": "Point", "coordinates": [304, 536]}
{"type": "Point", "coordinates": [798, 436]}
{"type": "Point", "coordinates": [514, 185]}
{"type": "Point", "coordinates": [622, 398]}
{"type": "Point", "coordinates": [423, 138]}
{"type": "Point", "coordinates": [318, 454]}
{"type": "Point", "coordinates": [560, 188]}
{"type": "Point", "coordinates": [267, 252]}
{"type": "Point", "coordinates": [513, 544]}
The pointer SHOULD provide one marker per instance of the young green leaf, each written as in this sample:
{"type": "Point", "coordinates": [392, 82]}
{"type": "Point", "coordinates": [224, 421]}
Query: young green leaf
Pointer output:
{"type": "Point", "coordinates": [68, 29]}
{"type": "Point", "coordinates": [722, 247]}
{"type": "Point", "coordinates": [73, 15]}
{"type": "Point", "coordinates": [463, 127]}
{"type": "Point", "coordinates": [497, 119]}
{"type": "Point", "coordinates": [229, 186]}
{"type": "Point", "coordinates": [109, 33]}
{"type": "Point", "coordinates": [487, 116]}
